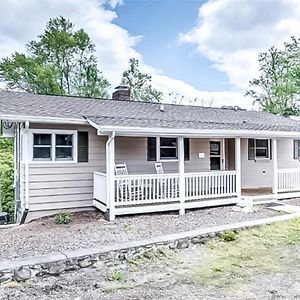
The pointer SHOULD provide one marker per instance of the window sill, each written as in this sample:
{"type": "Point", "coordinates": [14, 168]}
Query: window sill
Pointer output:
{"type": "Point", "coordinates": [262, 160]}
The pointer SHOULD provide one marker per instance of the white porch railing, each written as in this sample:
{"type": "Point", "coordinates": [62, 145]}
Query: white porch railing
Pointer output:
{"type": "Point", "coordinates": [100, 187]}
{"type": "Point", "coordinates": [288, 180]}
{"type": "Point", "coordinates": [205, 185]}
{"type": "Point", "coordinates": [145, 189]}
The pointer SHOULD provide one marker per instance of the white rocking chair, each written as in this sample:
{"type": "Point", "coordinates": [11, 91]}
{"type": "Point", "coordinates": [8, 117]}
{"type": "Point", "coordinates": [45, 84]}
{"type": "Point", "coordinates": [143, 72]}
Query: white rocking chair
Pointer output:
{"type": "Point", "coordinates": [126, 190]}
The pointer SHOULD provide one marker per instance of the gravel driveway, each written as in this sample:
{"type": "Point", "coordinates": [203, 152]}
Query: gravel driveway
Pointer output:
{"type": "Point", "coordinates": [90, 229]}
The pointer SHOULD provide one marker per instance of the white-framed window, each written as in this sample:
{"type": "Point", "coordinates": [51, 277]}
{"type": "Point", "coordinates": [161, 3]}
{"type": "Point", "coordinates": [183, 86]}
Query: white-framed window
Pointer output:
{"type": "Point", "coordinates": [166, 149]}
{"type": "Point", "coordinates": [53, 145]}
{"type": "Point", "coordinates": [259, 149]}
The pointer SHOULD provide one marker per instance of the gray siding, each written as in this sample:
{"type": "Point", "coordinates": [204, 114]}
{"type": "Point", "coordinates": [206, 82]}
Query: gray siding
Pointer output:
{"type": "Point", "coordinates": [133, 151]}
{"type": "Point", "coordinates": [58, 186]}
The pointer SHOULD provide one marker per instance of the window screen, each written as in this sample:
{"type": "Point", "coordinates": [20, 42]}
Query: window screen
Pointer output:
{"type": "Point", "coordinates": [168, 148]}
{"type": "Point", "coordinates": [63, 147]}
{"type": "Point", "coordinates": [41, 146]}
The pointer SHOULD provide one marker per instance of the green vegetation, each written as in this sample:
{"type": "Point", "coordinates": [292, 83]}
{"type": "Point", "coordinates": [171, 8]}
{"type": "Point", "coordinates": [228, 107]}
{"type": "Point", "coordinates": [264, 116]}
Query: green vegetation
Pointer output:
{"type": "Point", "coordinates": [262, 249]}
{"type": "Point", "coordinates": [7, 177]}
{"type": "Point", "coordinates": [228, 236]}
{"type": "Point", "coordinates": [61, 61]}
{"type": "Point", "coordinates": [63, 218]}
{"type": "Point", "coordinates": [117, 275]}
{"type": "Point", "coordinates": [140, 84]}
{"type": "Point", "coordinates": [277, 88]}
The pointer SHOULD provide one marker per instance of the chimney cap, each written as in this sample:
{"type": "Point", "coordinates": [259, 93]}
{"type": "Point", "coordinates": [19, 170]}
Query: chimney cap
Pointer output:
{"type": "Point", "coordinates": [122, 87]}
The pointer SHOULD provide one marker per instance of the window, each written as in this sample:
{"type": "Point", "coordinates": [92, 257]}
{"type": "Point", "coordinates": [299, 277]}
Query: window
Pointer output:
{"type": "Point", "coordinates": [215, 155]}
{"type": "Point", "coordinates": [259, 149]}
{"type": "Point", "coordinates": [58, 146]}
{"type": "Point", "coordinates": [166, 149]}
{"type": "Point", "coordinates": [296, 149]}
{"type": "Point", "coordinates": [42, 147]}
{"type": "Point", "coordinates": [63, 146]}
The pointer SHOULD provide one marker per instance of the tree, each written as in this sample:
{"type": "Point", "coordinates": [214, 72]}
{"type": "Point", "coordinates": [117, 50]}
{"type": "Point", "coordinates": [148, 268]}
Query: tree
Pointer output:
{"type": "Point", "coordinates": [60, 62]}
{"type": "Point", "coordinates": [277, 88]}
{"type": "Point", "coordinates": [140, 84]}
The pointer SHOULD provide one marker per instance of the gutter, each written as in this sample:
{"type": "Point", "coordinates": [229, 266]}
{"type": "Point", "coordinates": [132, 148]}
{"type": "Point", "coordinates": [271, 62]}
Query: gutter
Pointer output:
{"type": "Point", "coordinates": [35, 119]}
{"type": "Point", "coordinates": [138, 131]}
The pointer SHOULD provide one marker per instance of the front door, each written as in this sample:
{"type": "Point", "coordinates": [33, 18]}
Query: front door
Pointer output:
{"type": "Point", "coordinates": [215, 155]}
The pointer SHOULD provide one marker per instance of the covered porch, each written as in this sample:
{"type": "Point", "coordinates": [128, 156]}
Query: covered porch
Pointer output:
{"type": "Point", "coordinates": [183, 189]}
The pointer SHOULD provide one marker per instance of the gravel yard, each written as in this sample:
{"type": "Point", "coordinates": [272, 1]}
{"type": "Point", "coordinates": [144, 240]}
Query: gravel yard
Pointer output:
{"type": "Point", "coordinates": [90, 229]}
{"type": "Point", "coordinates": [261, 263]}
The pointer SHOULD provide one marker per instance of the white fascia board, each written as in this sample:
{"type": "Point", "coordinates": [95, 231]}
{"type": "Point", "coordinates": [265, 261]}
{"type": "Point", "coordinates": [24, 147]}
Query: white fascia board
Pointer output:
{"type": "Point", "coordinates": [36, 119]}
{"type": "Point", "coordinates": [131, 131]}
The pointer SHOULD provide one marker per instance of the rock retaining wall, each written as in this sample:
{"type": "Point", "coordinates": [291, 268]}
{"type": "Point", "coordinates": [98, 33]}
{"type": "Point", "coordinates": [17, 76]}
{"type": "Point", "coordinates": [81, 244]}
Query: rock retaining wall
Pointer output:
{"type": "Point", "coordinates": [57, 263]}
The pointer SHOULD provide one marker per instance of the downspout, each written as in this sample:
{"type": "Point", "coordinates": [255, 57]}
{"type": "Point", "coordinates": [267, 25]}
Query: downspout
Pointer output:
{"type": "Point", "coordinates": [25, 213]}
{"type": "Point", "coordinates": [108, 175]}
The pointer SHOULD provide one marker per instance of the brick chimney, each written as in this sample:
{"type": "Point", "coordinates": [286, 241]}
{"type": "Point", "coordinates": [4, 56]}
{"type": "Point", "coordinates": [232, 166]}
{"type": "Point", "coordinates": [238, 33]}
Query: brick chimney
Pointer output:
{"type": "Point", "coordinates": [121, 92]}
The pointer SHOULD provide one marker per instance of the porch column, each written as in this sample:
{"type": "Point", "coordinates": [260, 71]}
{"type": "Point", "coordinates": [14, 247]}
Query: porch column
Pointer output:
{"type": "Point", "coordinates": [238, 166]}
{"type": "Point", "coordinates": [275, 166]}
{"type": "Point", "coordinates": [181, 175]}
{"type": "Point", "coordinates": [110, 176]}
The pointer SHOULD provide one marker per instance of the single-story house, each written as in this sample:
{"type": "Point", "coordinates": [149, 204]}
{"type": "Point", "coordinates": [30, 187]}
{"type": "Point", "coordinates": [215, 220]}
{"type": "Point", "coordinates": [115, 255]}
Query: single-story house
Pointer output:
{"type": "Point", "coordinates": [67, 149]}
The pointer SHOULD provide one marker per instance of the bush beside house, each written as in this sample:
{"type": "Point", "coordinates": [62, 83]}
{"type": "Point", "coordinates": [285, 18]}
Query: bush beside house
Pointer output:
{"type": "Point", "coordinates": [7, 176]}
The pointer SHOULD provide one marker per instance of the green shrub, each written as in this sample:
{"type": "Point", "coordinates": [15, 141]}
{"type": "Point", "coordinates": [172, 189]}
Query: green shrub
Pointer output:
{"type": "Point", "coordinates": [63, 218]}
{"type": "Point", "coordinates": [117, 275]}
{"type": "Point", "coordinates": [7, 201]}
{"type": "Point", "coordinates": [229, 236]}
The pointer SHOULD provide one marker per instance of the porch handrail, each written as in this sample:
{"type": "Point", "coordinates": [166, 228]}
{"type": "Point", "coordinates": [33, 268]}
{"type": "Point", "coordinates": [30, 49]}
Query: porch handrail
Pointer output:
{"type": "Point", "coordinates": [213, 184]}
{"type": "Point", "coordinates": [288, 180]}
{"type": "Point", "coordinates": [100, 187]}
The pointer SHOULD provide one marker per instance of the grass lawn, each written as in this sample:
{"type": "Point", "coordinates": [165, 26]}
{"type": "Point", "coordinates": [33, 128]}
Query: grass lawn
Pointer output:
{"type": "Point", "coordinates": [235, 257]}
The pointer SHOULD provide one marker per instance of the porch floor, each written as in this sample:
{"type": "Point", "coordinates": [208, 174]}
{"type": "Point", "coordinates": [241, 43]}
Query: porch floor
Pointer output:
{"type": "Point", "coordinates": [257, 192]}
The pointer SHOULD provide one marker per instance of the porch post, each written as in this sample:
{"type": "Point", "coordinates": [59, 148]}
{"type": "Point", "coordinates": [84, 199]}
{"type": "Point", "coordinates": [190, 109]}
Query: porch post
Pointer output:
{"type": "Point", "coordinates": [110, 176]}
{"type": "Point", "coordinates": [238, 166]}
{"type": "Point", "coordinates": [275, 166]}
{"type": "Point", "coordinates": [181, 175]}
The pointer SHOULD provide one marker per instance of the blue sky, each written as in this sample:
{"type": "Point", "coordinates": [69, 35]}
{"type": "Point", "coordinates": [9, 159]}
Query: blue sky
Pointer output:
{"type": "Point", "coordinates": [159, 22]}
{"type": "Point", "coordinates": [203, 49]}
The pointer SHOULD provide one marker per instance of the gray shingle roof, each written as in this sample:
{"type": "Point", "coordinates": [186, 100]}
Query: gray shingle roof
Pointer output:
{"type": "Point", "coordinates": [138, 114]}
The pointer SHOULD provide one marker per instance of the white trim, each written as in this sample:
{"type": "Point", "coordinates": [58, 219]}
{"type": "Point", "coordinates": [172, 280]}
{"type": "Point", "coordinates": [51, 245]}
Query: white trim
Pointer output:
{"type": "Point", "coordinates": [138, 131]}
{"type": "Point", "coordinates": [180, 154]}
{"type": "Point", "coordinates": [238, 166]}
{"type": "Point", "coordinates": [275, 166]}
{"type": "Point", "coordinates": [53, 132]}
{"type": "Point", "coordinates": [174, 206]}
{"type": "Point", "coordinates": [36, 119]}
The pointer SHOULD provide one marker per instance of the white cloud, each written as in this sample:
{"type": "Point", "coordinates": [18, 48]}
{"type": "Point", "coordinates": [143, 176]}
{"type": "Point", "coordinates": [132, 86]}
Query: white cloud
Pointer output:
{"type": "Point", "coordinates": [22, 21]}
{"type": "Point", "coordinates": [232, 33]}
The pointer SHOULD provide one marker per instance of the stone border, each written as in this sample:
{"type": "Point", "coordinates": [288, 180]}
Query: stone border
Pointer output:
{"type": "Point", "coordinates": [58, 262]}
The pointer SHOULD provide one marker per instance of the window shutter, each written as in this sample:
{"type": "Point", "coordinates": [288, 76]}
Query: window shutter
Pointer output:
{"type": "Point", "coordinates": [251, 149]}
{"type": "Point", "coordinates": [186, 142]}
{"type": "Point", "coordinates": [271, 154]}
{"type": "Point", "coordinates": [83, 146]}
{"type": "Point", "coordinates": [151, 146]}
{"type": "Point", "coordinates": [296, 149]}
